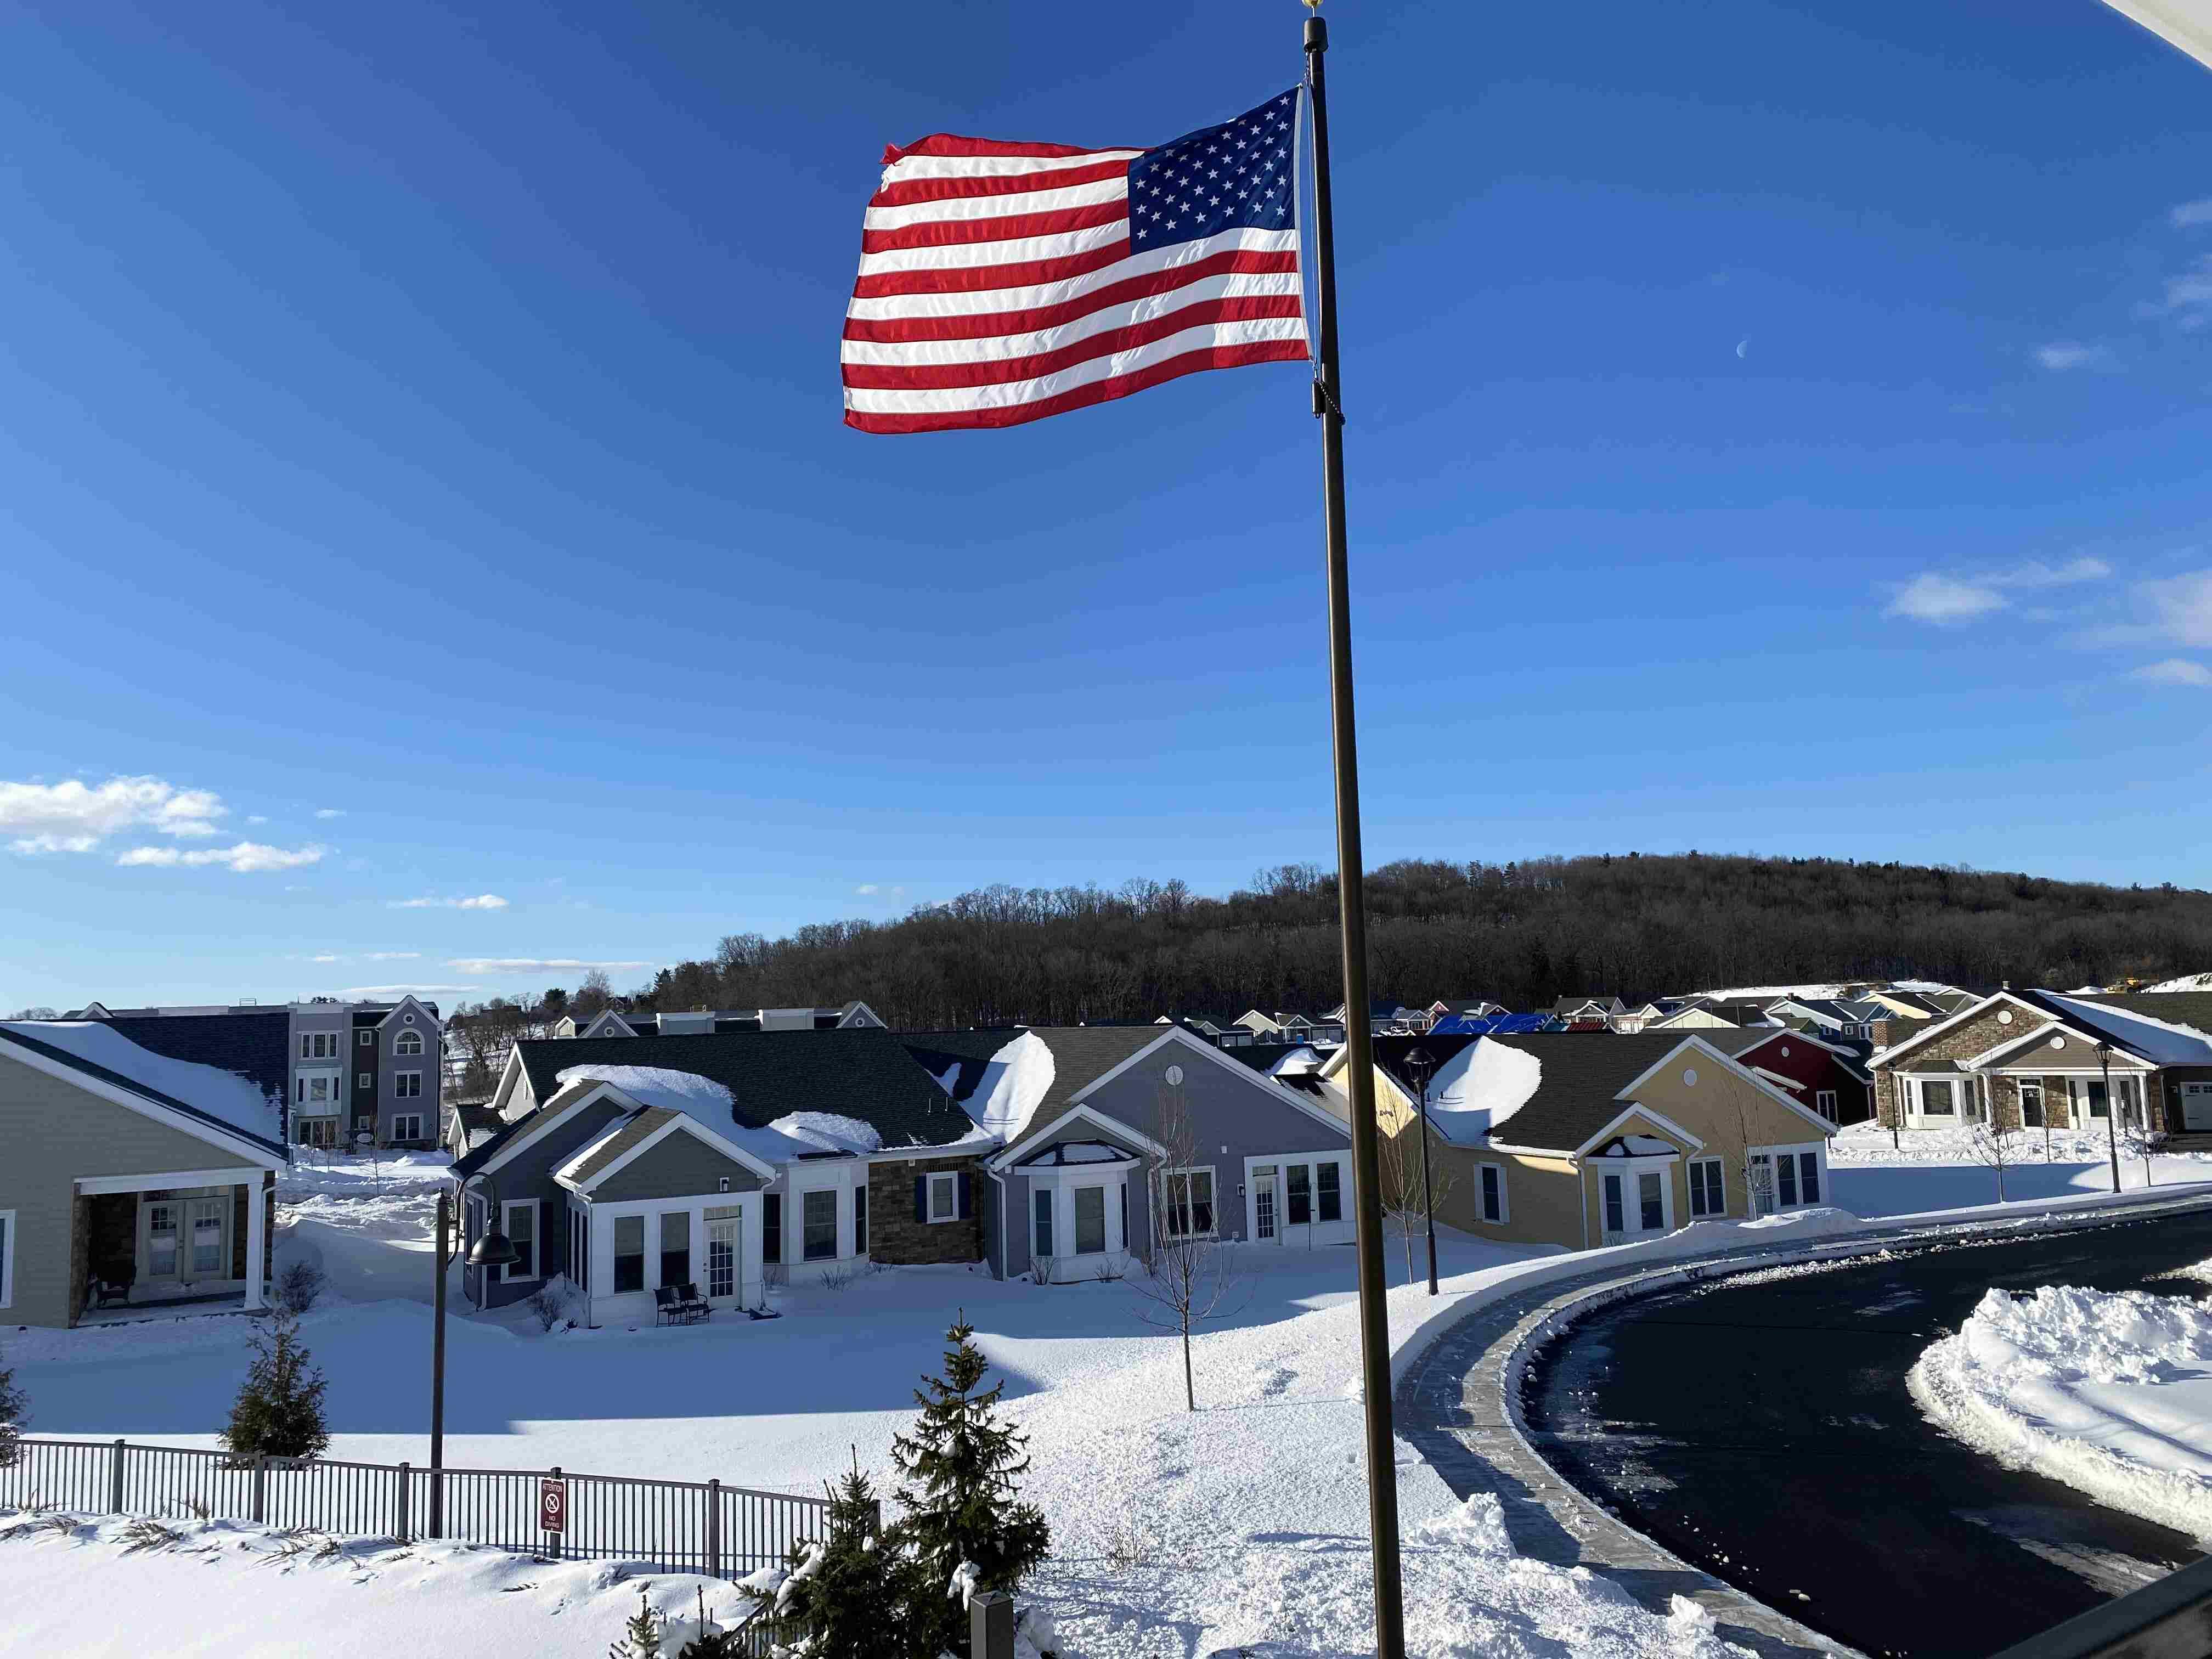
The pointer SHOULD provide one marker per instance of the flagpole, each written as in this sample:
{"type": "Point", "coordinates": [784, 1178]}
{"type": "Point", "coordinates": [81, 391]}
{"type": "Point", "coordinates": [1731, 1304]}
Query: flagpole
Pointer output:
{"type": "Point", "coordinates": [1351, 890]}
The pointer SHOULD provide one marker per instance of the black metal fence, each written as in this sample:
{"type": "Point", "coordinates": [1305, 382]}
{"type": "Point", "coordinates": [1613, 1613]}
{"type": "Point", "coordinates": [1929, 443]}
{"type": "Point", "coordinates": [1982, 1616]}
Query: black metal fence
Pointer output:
{"type": "Point", "coordinates": [706, 1527]}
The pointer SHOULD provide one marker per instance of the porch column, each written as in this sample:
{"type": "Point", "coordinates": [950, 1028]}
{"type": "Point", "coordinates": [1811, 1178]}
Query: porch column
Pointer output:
{"type": "Point", "coordinates": [257, 1207]}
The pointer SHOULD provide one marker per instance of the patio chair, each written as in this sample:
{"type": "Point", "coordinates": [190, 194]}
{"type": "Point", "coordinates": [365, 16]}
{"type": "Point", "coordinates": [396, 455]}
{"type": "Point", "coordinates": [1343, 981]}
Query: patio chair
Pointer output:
{"type": "Point", "coordinates": [694, 1305]}
{"type": "Point", "coordinates": [667, 1305]}
{"type": "Point", "coordinates": [111, 1283]}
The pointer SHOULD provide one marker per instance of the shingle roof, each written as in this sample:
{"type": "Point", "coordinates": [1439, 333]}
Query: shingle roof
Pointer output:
{"type": "Point", "coordinates": [2175, 1007]}
{"type": "Point", "coordinates": [1582, 1076]}
{"type": "Point", "coordinates": [242, 1049]}
{"type": "Point", "coordinates": [963, 1052]}
{"type": "Point", "coordinates": [862, 1072]}
{"type": "Point", "coordinates": [1081, 1054]}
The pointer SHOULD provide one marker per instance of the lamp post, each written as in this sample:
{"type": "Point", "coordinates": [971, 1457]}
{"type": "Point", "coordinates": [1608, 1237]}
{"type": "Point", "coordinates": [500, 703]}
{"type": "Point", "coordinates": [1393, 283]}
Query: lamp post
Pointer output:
{"type": "Point", "coordinates": [1420, 1065]}
{"type": "Point", "coordinates": [494, 1249]}
{"type": "Point", "coordinates": [2112, 1115]}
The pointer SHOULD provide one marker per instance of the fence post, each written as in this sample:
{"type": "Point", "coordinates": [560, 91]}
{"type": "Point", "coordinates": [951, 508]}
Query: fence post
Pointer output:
{"type": "Point", "coordinates": [713, 1529]}
{"type": "Point", "coordinates": [399, 1510]}
{"type": "Point", "coordinates": [115, 1481]}
{"type": "Point", "coordinates": [991, 1625]}
{"type": "Point", "coordinates": [260, 1488]}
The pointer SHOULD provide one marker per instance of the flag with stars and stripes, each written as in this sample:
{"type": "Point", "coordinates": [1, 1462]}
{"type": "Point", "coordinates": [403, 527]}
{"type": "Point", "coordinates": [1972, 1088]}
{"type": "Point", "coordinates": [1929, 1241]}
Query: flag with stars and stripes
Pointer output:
{"type": "Point", "coordinates": [1002, 283]}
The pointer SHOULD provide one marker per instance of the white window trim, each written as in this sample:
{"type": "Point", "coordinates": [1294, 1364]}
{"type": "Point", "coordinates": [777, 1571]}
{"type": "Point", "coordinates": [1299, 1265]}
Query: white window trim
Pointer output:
{"type": "Point", "coordinates": [1162, 1209]}
{"type": "Point", "coordinates": [1282, 1162]}
{"type": "Point", "coordinates": [951, 1188]}
{"type": "Point", "coordinates": [1917, 1111]}
{"type": "Point", "coordinates": [399, 1043]}
{"type": "Point", "coordinates": [508, 1207]}
{"type": "Point", "coordinates": [366, 1040]}
{"type": "Point", "coordinates": [1828, 1103]}
{"type": "Point", "coordinates": [415, 1118]}
{"type": "Point", "coordinates": [1661, 1164]}
{"type": "Point", "coordinates": [1504, 1215]}
{"type": "Point", "coordinates": [7, 1258]}
{"type": "Point", "coordinates": [362, 1081]}
{"type": "Point", "coordinates": [1690, 1178]}
{"type": "Point", "coordinates": [794, 1226]}
{"type": "Point", "coordinates": [1108, 1224]}
{"type": "Point", "coordinates": [1819, 1149]}
{"type": "Point", "coordinates": [399, 1089]}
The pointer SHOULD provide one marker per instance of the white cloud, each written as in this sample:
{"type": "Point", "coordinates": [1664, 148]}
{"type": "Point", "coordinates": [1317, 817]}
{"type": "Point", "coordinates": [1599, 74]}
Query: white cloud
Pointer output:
{"type": "Point", "coordinates": [2063, 355]}
{"type": "Point", "coordinates": [866, 888]}
{"type": "Point", "coordinates": [534, 965]}
{"type": "Point", "coordinates": [1947, 600]}
{"type": "Point", "coordinates": [256, 818]}
{"type": "Point", "coordinates": [2187, 214]}
{"type": "Point", "coordinates": [325, 957]}
{"type": "Point", "coordinates": [480, 902]}
{"type": "Point", "coordinates": [246, 858]}
{"type": "Point", "coordinates": [330, 812]}
{"type": "Point", "coordinates": [2183, 606]}
{"type": "Point", "coordinates": [1944, 600]}
{"type": "Point", "coordinates": [2189, 295]}
{"type": "Point", "coordinates": [74, 817]}
{"type": "Point", "coordinates": [2174, 671]}
{"type": "Point", "coordinates": [383, 990]}
{"type": "Point", "coordinates": [394, 955]}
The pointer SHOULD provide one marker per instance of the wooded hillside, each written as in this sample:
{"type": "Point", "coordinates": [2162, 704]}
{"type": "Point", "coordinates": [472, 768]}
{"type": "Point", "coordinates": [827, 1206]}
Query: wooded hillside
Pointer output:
{"type": "Point", "coordinates": [1522, 933]}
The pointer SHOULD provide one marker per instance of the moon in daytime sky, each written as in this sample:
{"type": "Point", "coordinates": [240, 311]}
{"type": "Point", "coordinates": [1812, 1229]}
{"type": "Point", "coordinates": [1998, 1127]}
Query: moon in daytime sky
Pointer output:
{"type": "Point", "coordinates": [1743, 347]}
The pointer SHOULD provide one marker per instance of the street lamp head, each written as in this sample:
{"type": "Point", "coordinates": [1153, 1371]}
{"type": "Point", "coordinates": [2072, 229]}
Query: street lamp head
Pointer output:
{"type": "Point", "coordinates": [494, 1249]}
{"type": "Point", "coordinates": [1418, 1060]}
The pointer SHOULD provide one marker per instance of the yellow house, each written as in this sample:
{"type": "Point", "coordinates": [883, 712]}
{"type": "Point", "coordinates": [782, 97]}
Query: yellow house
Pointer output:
{"type": "Point", "coordinates": [1585, 1138]}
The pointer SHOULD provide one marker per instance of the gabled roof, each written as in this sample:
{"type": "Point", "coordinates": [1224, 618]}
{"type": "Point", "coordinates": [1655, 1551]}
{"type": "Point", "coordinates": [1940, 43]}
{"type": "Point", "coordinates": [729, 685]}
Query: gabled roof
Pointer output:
{"type": "Point", "coordinates": [862, 1071]}
{"type": "Point", "coordinates": [208, 1095]}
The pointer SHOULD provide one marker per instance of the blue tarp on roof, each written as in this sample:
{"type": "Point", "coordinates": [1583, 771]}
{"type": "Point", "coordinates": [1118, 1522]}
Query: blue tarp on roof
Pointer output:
{"type": "Point", "coordinates": [1496, 1024]}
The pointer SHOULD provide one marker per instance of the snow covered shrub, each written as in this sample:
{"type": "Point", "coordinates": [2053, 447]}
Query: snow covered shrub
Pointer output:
{"type": "Point", "coordinates": [961, 1464]}
{"type": "Point", "coordinates": [1041, 1269]}
{"type": "Point", "coordinates": [551, 1302]}
{"type": "Point", "coordinates": [841, 1275]}
{"type": "Point", "coordinates": [641, 1633]}
{"type": "Point", "coordinates": [298, 1286]}
{"type": "Point", "coordinates": [14, 1413]}
{"type": "Point", "coordinates": [279, 1409]}
{"type": "Point", "coordinates": [854, 1594]}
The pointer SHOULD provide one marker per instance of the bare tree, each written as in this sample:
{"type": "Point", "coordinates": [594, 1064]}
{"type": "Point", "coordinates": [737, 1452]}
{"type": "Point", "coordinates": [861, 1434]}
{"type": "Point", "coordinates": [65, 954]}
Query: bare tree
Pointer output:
{"type": "Point", "coordinates": [1986, 1141]}
{"type": "Point", "coordinates": [1190, 1270]}
{"type": "Point", "coordinates": [1406, 1203]}
{"type": "Point", "coordinates": [593, 995]}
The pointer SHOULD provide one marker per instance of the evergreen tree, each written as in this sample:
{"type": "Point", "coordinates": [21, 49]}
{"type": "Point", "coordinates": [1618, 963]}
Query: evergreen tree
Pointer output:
{"type": "Point", "coordinates": [641, 1633]}
{"type": "Point", "coordinates": [279, 1409]}
{"type": "Point", "coordinates": [15, 1411]}
{"type": "Point", "coordinates": [854, 1594]}
{"type": "Point", "coordinates": [961, 1463]}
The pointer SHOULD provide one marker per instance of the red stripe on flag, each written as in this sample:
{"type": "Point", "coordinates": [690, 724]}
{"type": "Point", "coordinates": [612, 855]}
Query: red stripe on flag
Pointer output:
{"type": "Point", "coordinates": [971, 279]}
{"type": "Point", "coordinates": [947, 143]}
{"type": "Point", "coordinates": [1121, 386]}
{"type": "Point", "coordinates": [998, 371]}
{"type": "Point", "coordinates": [986, 326]}
{"type": "Point", "coordinates": [911, 192]}
{"type": "Point", "coordinates": [951, 233]}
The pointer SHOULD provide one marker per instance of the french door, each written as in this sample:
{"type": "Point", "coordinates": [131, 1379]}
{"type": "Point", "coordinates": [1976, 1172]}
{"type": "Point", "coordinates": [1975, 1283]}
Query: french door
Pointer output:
{"type": "Point", "coordinates": [1264, 1227]}
{"type": "Point", "coordinates": [186, 1240]}
{"type": "Point", "coordinates": [722, 1242]}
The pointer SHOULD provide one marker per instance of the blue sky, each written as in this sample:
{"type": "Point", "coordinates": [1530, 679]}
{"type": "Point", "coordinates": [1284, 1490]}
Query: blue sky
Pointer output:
{"type": "Point", "coordinates": [1775, 428]}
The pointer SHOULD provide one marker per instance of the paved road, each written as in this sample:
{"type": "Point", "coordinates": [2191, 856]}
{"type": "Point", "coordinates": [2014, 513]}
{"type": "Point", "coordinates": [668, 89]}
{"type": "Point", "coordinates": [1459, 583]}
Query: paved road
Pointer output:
{"type": "Point", "coordinates": [1761, 1429]}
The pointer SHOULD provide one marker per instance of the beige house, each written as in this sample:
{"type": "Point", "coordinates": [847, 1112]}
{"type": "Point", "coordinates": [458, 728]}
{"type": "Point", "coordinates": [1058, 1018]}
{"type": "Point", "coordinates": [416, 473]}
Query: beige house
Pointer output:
{"type": "Point", "coordinates": [2032, 1059]}
{"type": "Point", "coordinates": [1584, 1139]}
{"type": "Point", "coordinates": [137, 1179]}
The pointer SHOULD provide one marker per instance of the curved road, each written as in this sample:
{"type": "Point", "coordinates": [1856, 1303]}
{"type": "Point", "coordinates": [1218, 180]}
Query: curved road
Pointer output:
{"type": "Point", "coordinates": [1760, 1428]}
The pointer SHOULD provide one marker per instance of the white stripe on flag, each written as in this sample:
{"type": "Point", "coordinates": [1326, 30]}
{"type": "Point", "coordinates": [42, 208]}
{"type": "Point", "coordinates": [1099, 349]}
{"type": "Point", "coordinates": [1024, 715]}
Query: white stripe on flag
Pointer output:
{"type": "Point", "coordinates": [1021, 251]}
{"type": "Point", "coordinates": [982, 303]}
{"type": "Point", "coordinates": [910, 168]}
{"type": "Point", "coordinates": [908, 352]}
{"type": "Point", "coordinates": [999, 207]}
{"type": "Point", "coordinates": [952, 400]}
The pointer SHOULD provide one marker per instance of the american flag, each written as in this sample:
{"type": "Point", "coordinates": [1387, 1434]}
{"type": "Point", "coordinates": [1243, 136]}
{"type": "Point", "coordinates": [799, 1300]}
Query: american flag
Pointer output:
{"type": "Point", "coordinates": [1002, 283]}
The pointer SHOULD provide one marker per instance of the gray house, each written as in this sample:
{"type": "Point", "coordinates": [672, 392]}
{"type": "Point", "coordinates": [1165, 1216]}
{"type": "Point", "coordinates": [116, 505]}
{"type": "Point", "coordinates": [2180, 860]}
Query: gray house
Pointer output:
{"type": "Point", "coordinates": [1095, 1127]}
{"type": "Point", "coordinates": [141, 1164]}
{"type": "Point", "coordinates": [726, 1161]}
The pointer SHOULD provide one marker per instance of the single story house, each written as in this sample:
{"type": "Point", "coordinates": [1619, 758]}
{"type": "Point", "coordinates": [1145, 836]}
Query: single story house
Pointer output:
{"type": "Point", "coordinates": [725, 1161]}
{"type": "Point", "coordinates": [1104, 1131]}
{"type": "Point", "coordinates": [707, 1022]}
{"type": "Point", "coordinates": [1560, 1140]}
{"type": "Point", "coordinates": [142, 1159]}
{"type": "Point", "coordinates": [2026, 1059]}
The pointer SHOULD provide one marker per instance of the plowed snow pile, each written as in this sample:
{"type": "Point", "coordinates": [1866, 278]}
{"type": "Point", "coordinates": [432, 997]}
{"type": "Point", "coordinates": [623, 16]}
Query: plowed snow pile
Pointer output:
{"type": "Point", "coordinates": [2109, 1391]}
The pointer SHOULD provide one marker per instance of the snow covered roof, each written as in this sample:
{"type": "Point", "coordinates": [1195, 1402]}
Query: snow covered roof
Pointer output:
{"type": "Point", "coordinates": [227, 1098]}
{"type": "Point", "coordinates": [2162, 1041]}
{"type": "Point", "coordinates": [710, 1105]}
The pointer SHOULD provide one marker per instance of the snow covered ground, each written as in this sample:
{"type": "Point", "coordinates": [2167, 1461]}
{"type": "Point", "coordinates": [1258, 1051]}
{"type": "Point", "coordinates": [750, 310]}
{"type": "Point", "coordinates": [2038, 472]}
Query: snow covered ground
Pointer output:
{"type": "Point", "coordinates": [365, 1221]}
{"type": "Point", "coordinates": [2109, 1391]}
{"type": "Point", "coordinates": [1176, 1533]}
{"type": "Point", "coordinates": [1937, 1169]}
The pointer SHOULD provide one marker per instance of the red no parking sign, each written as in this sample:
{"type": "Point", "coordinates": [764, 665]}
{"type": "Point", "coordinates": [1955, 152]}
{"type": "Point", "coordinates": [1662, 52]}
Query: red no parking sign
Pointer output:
{"type": "Point", "coordinates": [552, 1504]}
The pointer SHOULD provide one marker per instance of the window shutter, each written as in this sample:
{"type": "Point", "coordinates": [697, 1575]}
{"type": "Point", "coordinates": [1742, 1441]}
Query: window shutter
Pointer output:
{"type": "Point", "coordinates": [966, 1209]}
{"type": "Point", "coordinates": [921, 1198]}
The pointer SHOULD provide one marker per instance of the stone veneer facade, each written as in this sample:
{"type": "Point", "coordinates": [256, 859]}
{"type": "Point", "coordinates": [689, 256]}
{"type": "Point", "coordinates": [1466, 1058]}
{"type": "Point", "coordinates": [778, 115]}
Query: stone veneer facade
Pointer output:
{"type": "Point", "coordinates": [1978, 1036]}
{"type": "Point", "coordinates": [897, 1239]}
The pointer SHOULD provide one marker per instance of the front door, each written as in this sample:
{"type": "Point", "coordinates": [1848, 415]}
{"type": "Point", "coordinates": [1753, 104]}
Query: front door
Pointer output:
{"type": "Point", "coordinates": [208, 1242]}
{"type": "Point", "coordinates": [2196, 1106]}
{"type": "Point", "coordinates": [1264, 1228]}
{"type": "Point", "coordinates": [722, 1243]}
{"type": "Point", "coordinates": [161, 1226]}
{"type": "Point", "coordinates": [184, 1241]}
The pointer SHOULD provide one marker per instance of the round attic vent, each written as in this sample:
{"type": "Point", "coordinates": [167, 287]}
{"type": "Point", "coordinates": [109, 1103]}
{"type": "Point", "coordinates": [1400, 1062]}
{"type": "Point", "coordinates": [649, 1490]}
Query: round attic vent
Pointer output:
{"type": "Point", "coordinates": [1175, 1074]}
{"type": "Point", "coordinates": [1689, 1077]}
{"type": "Point", "coordinates": [2058, 1043]}
{"type": "Point", "coordinates": [2004, 1016]}
{"type": "Point", "coordinates": [1785, 1051]}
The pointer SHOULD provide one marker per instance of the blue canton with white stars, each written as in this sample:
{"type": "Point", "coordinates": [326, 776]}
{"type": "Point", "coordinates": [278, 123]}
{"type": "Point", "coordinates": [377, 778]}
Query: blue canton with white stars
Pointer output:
{"type": "Point", "coordinates": [1226, 178]}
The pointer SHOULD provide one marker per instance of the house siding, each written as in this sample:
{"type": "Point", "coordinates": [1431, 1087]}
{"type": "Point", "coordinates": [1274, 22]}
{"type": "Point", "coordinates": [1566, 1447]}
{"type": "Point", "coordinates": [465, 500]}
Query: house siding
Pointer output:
{"type": "Point", "coordinates": [1978, 1036]}
{"type": "Point", "coordinates": [1021, 1190]}
{"type": "Point", "coordinates": [681, 1166]}
{"type": "Point", "coordinates": [529, 1174]}
{"type": "Point", "coordinates": [57, 1134]}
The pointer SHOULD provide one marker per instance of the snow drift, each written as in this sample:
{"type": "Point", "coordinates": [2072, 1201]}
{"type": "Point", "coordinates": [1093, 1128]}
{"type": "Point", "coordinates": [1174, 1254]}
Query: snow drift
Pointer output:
{"type": "Point", "coordinates": [2109, 1391]}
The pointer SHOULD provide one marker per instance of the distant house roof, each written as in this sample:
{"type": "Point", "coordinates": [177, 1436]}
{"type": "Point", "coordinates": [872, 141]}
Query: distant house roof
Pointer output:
{"type": "Point", "coordinates": [219, 1077]}
{"type": "Point", "coordinates": [862, 1071]}
{"type": "Point", "coordinates": [477, 1125]}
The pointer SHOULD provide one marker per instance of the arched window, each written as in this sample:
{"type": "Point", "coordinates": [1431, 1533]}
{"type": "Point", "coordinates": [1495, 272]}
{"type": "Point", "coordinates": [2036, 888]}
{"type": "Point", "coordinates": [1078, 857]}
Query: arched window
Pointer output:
{"type": "Point", "coordinates": [411, 1042]}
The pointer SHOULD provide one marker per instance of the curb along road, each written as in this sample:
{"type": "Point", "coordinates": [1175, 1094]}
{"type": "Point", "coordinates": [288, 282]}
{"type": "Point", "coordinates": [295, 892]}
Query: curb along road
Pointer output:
{"type": "Point", "coordinates": [1458, 1401]}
